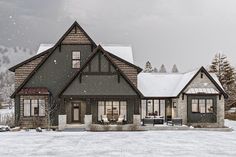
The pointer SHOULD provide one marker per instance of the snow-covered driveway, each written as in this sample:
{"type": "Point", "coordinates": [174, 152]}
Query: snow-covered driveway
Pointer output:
{"type": "Point", "coordinates": [149, 143]}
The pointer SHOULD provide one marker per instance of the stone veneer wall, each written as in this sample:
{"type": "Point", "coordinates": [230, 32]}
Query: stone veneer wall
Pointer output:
{"type": "Point", "coordinates": [32, 122]}
{"type": "Point", "coordinates": [199, 82]}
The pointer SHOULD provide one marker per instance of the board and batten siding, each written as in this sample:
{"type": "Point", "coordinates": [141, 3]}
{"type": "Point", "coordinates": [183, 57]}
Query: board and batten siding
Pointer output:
{"type": "Point", "coordinates": [23, 71]}
{"type": "Point", "coordinates": [128, 70]}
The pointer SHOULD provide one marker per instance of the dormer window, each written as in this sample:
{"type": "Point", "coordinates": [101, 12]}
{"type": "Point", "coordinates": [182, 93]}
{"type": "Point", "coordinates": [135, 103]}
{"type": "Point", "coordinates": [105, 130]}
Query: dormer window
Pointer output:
{"type": "Point", "coordinates": [76, 59]}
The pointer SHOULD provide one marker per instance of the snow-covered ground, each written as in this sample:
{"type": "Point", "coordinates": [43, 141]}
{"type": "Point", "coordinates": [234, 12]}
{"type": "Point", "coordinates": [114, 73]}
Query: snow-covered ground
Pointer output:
{"type": "Point", "coordinates": [149, 143]}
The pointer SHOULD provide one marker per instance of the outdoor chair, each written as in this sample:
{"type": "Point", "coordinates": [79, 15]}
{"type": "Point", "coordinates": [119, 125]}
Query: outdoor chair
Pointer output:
{"type": "Point", "coordinates": [105, 119]}
{"type": "Point", "coordinates": [121, 119]}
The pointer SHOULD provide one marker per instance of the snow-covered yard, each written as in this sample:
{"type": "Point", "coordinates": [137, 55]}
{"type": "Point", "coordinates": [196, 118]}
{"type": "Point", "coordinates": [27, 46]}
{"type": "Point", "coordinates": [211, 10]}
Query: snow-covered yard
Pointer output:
{"type": "Point", "coordinates": [149, 143]}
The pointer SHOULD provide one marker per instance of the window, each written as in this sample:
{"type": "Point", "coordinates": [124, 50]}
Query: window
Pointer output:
{"type": "Point", "coordinates": [41, 107]}
{"type": "Point", "coordinates": [202, 105]}
{"type": "Point", "coordinates": [113, 109]}
{"type": "Point", "coordinates": [143, 103]}
{"type": "Point", "coordinates": [123, 109]}
{"type": "Point", "coordinates": [209, 108]}
{"type": "Point", "coordinates": [26, 107]}
{"type": "Point", "coordinates": [156, 107]}
{"type": "Point", "coordinates": [101, 109]}
{"type": "Point", "coordinates": [76, 59]}
{"type": "Point", "coordinates": [34, 107]}
{"type": "Point", "coordinates": [150, 107]}
{"type": "Point", "coordinates": [162, 108]}
{"type": "Point", "coordinates": [153, 107]}
{"type": "Point", "coordinates": [194, 105]}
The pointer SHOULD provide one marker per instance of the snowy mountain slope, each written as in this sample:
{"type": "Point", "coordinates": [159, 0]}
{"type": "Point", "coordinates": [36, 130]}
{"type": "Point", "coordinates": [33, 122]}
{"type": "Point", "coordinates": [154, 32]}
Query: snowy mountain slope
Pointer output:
{"type": "Point", "coordinates": [9, 56]}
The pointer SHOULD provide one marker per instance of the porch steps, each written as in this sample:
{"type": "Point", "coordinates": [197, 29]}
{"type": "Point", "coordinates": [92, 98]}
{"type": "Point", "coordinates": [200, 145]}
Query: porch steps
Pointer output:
{"type": "Point", "coordinates": [74, 128]}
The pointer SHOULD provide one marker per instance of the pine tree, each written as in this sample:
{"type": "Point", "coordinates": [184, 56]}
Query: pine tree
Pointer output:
{"type": "Point", "coordinates": [174, 69]}
{"type": "Point", "coordinates": [148, 67]}
{"type": "Point", "coordinates": [226, 75]}
{"type": "Point", "coordinates": [224, 71]}
{"type": "Point", "coordinates": [162, 69]}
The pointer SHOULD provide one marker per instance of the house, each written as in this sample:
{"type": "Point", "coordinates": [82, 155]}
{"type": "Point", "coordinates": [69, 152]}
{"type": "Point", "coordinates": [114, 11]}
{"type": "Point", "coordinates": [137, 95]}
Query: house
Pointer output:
{"type": "Point", "coordinates": [84, 81]}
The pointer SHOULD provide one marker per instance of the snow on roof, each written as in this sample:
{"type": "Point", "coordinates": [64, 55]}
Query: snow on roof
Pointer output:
{"type": "Point", "coordinates": [157, 84]}
{"type": "Point", "coordinates": [44, 47]}
{"type": "Point", "coordinates": [124, 52]}
{"type": "Point", "coordinates": [165, 84]}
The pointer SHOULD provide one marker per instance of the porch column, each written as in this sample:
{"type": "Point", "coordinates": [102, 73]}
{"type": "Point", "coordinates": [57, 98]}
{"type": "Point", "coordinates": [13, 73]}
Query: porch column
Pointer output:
{"type": "Point", "coordinates": [62, 110]}
{"type": "Point", "coordinates": [137, 106]}
{"type": "Point", "coordinates": [88, 107]}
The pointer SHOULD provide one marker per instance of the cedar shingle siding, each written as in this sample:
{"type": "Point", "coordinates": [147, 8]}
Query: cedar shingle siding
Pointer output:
{"type": "Point", "coordinates": [76, 36]}
{"type": "Point", "coordinates": [23, 72]}
{"type": "Point", "coordinates": [128, 70]}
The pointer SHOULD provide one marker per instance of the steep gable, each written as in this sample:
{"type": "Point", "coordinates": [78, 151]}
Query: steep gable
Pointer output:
{"type": "Point", "coordinates": [76, 36]}
{"type": "Point", "coordinates": [100, 76]}
{"type": "Point", "coordinates": [51, 73]}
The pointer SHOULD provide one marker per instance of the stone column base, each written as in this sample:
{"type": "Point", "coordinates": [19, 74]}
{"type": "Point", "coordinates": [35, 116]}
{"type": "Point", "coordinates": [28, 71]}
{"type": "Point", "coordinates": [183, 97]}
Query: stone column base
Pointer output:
{"type": "Point", "coordinates": [87, 121]}
{"type": "Point", "coordinates": [61, 122]}
{"type": "Point", "coordinates": [137, 119]}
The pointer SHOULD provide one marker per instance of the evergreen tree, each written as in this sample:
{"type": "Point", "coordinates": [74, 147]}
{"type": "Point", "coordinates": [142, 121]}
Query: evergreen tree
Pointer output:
{"type": "Point", "coordinates": [174, 69]}
{"type": "Point", "coordinates": [148, 67]}
{"type": "Point", "coordinates": [224, 71]}
{"type": "Point", "coordinates": [162, 69]}
{"type": "Point", "coordinates": [226, 75]}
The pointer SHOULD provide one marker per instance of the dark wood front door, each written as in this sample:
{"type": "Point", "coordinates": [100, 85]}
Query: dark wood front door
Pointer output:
{"type": "Point", "coordinates": [76, 112]}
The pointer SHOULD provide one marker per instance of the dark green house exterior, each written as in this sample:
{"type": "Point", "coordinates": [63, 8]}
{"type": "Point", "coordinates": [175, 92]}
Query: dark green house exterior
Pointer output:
{"type": "Point", "coordinates": [85, 82]}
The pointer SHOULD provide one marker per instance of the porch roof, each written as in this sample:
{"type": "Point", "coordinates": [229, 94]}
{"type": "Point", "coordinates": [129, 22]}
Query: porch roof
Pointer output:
{"type": "Point", "coordinates": [34, 91]}
{"type": "Point", "coordinates": [202, 90]}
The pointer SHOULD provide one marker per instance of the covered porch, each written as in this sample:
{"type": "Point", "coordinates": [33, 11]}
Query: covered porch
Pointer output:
{"type": "Point", "coordinates": [102, 110]}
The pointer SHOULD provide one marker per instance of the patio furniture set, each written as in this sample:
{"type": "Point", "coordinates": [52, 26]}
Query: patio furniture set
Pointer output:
{"type": "Point", "coordinates": [160, 120]}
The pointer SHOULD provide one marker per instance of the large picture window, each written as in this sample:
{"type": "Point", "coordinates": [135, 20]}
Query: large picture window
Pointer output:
{"type": "Point", "coordinates": [153, 107]}
{"type": "Point", "coordinates": [34, 107]}
{"type": "Point", "coordinates": [76, 59]}
{"type": "Point", "coordinates": [202, 105]}
{"type": "Point", "coordinates": [112, 109]}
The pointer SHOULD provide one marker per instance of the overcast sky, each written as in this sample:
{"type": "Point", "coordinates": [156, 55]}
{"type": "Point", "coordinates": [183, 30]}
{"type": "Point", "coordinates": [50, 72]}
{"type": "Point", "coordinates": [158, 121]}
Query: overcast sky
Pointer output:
{"type": "Point", "coordinates": [183, 32]}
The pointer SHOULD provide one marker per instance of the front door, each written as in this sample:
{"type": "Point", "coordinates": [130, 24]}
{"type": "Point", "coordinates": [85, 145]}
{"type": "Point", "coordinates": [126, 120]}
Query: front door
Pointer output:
{"type": "Point", "coordinates": [76, 111]}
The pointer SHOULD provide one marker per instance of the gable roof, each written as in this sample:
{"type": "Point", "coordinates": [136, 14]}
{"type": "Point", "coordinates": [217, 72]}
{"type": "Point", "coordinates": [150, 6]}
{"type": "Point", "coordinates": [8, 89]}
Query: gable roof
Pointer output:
{"type": "Point", "coordinates": [50, 51]}
{"type": "Point", "coordinates": [106, 54]}
{"type": "Point", "coordinates": [29, 60]}
{"type": "Point", "coordinates": [171, 84]}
